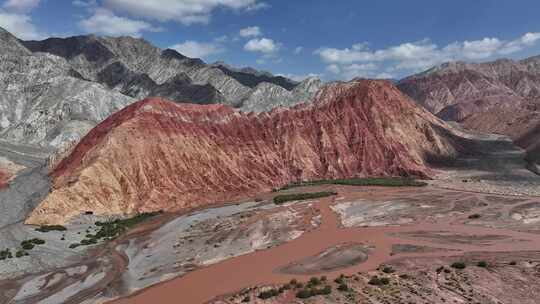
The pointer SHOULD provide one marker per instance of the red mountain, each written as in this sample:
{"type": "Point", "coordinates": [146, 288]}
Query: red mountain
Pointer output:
{"type": "Point", "coordinates": [156, 154]}
{"type": "Point", "coordinates": [502, 96]}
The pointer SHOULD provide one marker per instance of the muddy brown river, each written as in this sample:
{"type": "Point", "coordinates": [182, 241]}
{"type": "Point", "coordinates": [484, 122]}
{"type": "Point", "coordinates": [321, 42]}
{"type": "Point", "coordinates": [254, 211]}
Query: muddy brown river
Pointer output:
{"type": "Point", "coordinates": [261, 267]}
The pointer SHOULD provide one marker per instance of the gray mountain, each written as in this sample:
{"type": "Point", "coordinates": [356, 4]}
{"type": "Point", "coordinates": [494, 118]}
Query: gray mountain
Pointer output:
{"type": "Point", "coordinates": [267, 96]}
{"type": "Point", "coordinates": [128, 64]}
{"type": "Point", "coordinates": [46, 102]}
{"type": "Point", "coordinates": [56, 89]}
{"type": "Point", "coordinates": [251, 77]}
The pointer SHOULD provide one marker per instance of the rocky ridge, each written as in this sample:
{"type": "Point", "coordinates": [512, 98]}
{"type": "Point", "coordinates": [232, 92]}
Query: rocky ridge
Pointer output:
{"type": "Point", "coordinates": [131, 161]}
{"type": "Point", "coordinates": [57, 89]}
{"type": "Point", "coordinates": [502, 96]}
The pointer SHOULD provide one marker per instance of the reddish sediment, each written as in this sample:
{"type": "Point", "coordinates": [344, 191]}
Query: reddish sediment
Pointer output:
{"type": "Point", "coordinates": [160, 155]}
{"type": "Point", "coordinates": [4, 179]}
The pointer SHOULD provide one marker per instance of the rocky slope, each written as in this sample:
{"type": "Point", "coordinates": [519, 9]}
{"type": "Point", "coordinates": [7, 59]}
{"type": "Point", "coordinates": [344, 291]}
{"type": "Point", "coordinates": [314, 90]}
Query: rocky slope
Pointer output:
{"type": "Point", "coordinates": [266, 96]}
{"type": "Point", "coordinates": [57, 89]}
{"type": "Point", "coordinates": [138, 69]}
{"type": "Point", "coordinates": [44, 101]}
{"type": "Point", "coordinates": [502, 96]}
{"type": "Point", "coordinates": [156, 154]}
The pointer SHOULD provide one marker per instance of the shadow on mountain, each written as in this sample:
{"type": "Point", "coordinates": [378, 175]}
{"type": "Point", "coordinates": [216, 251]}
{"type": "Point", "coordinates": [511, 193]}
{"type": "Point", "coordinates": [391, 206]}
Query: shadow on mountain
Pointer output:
{"type": "Point", "coordinates": [483, 157]}
{"type": "Point", "coordinates": [531, 141]}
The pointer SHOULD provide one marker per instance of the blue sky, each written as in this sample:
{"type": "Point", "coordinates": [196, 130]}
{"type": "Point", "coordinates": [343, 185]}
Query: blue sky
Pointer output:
{"type": "Point", "coordinates": [333, 39]}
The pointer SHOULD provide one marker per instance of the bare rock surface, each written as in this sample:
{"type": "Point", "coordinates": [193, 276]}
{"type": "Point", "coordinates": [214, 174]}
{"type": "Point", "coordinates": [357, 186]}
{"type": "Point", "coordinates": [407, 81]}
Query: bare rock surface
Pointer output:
{"type": "Point", "coordinates": [502, 97]}
{"type": "Point", "coordinates": [129, 163]}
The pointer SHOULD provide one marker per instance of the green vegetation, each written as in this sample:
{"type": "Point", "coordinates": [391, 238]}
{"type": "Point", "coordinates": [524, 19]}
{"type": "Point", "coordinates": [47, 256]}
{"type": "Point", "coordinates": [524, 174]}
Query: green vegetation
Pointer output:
{"type": "Point", "coordinates": [30, 244]}
{"type": "Point", "coordinates": [482, 264]}
{"type": "Point", "coordinates": [312, 292]}
{"type": "Point", "coordinates": [280, 199]}
{"type": "Point", "coordinates": [314, 281]}
{"type": "Point", "coordinates": [20, 253]}
{"type": "Point", "coordinates": [5, 254]}
{"type": "Point", "coordinates": [370, 181]}
{"type": "Point", "coordinates": [458, 265]}
{"type": "Point", "coordinates": [111, 230]}
{"type": "Point", "coordinates": [343, 287]}
{"type": "Point", "coordinates": [47, 228]}
{"type": "Point", "coordinates": [268, 294]}
{"type": "Point", "coordinates": [376, 281]}
{"type": "Point", "coordinates": [388, 269]}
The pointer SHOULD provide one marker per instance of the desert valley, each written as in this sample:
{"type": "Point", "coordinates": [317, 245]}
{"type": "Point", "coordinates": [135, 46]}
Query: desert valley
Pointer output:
{"type": "Point", "coordinates": [135, 174]}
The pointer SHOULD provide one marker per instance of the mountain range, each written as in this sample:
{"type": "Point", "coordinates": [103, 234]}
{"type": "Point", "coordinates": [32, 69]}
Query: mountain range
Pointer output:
{"type": "Point", "coordinates": [57, 89]}
{"type": "Point", "coordinates": [502, 96]}
{"type": "Point", "coordinates": [130, 163]}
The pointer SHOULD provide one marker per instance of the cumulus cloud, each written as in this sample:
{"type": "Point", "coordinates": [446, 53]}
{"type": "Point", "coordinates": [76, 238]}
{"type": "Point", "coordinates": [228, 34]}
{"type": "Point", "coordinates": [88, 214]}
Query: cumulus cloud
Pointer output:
{"type": "Point", "coordinates": [196, 49]}
{"type": "Point", "coordinates": [298, 50]}
{"type": "Point", "coordinates": [250, 31]}
{"type": "Point", "coordinates": [264, 45]}
{"type": "Point", "coordinates": [85, 3]}
{"type": "Point", "coordinates": [106, 22]}
{"type": "Point", "coordinates": [183, 11]}
{"type": "Point", "coordinates": [416, 56]}
{"type": "Point", "coordinates": [299, 78]}
{"type": "Point", "coordinates": [20, 6]}
{"type": "Point", "coordinates": [20, 25]}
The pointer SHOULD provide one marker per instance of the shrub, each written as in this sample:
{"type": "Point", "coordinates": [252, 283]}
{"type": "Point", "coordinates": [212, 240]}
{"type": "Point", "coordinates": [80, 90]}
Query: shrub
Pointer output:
{"type": "Point", "coordinates": [482, 264]}
{"type": "Point", "coordinates": [304, 294]}
{"type": "Point", "coordinates": [268, 294]}
{"type": "Point", "coordinates": [324, 291]}
{"type": "Point", "coordinates": [280, 199]}
{"type": "Point", "coordinates": [474, 216]}
{"type": "Point", "coordinates": [74, 245]}
{"type": "Point", "coordinates": [314, 281]}
{"type": "Point", "coordinates": [311, 292]}
{"type": "Point", "coordinates": [343, 287]}
{"type": "Point", "coordinates": [458, 265]}
{"type": "Point", "coordinates": [47, 228]}
{"type": "Point", "coordinates": [5, 254]}
{"type": "Point", "coordinates": [27, 246]}
{"type": "Point", "coordinates": [376, 281]}
{"type": "Point", "coordinates": [388, 269]}
{"type": "Point", "coordinates": [20, 253]}
{"type": "Point", "coordinates": [246, 299]}
{"type": "Point", "coordinates": [512, 263]}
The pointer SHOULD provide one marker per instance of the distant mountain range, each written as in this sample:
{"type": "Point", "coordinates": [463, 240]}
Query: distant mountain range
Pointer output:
{"type": "Point", "coordinates": [59, 88]}
{"type": "Point", "coordinates": [502, 96]}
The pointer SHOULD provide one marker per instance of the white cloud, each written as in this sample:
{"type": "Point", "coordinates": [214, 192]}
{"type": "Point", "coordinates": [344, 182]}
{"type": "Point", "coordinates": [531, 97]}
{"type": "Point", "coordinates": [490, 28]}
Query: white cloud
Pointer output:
{"type": "Point", "coordinates": [20, 6]}
{"type": "Point", "coordinates": [106, 22]}
{"type": "Point", "coordinates": [298, 50]}
{"type": "Point", "coordinates": [257, 6]}
{"type": "Point", "coordinates": [299, 78]}
{"type": "Point", "coordinates": [196, 49]}
{"type": "Point", "coordinates": [183, 11]}
{"type": "Point", "coordinates": [85, 3]}
{"type": "Point", "coordinates": [263, 45]}
{"type": "Point", "coordinates": [416, 56]}
{"type": "Point", "coordinates": [20, 25]}
{"type": "Point", "coordinates": [333, 68]}
{"type": "Point", "coordinates": [250, 31]}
